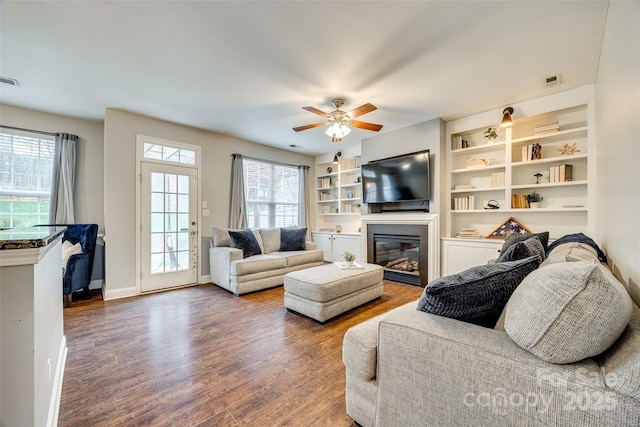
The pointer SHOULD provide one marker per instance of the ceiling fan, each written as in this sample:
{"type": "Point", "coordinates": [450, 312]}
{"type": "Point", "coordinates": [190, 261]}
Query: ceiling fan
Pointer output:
{"type": "Point", "coordinates": [338, 121]}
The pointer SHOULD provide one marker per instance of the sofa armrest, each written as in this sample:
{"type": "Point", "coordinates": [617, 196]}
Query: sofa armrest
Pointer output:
{"type": "Point", "coordinates": [220, 259]}
{"type": "Point", "coordinates": [310, 246]}
{"type": "Point", "coordinates": [434, 370]}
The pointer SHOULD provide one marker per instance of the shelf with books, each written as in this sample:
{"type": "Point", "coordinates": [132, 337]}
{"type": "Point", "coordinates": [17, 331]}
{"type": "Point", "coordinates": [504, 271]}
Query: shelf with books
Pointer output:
{"type": "Point", "coordinates": [547, 151]}
{"type": "Point", "coordinates": [338, 187]}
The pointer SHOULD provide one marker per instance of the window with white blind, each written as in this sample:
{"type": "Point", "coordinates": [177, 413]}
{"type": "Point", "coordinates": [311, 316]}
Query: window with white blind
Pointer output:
{"type": "Point", "coordinates": [271, 192]}
{"type": "Point", "coordinates": [26, 167]}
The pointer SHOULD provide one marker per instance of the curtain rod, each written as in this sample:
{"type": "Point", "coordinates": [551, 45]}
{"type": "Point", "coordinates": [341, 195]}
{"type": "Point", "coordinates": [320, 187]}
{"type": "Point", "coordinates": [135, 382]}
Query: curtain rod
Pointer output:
{"type": "Point", "coordinates": [28, 130]}
{"type": "Point", "coordinates": [267, 161]}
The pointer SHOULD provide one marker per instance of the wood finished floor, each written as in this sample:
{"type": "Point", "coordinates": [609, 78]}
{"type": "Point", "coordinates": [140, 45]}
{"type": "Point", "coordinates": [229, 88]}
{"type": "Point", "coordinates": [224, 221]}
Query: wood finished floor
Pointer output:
{"type": "Point", "coordinates": [201, 357]}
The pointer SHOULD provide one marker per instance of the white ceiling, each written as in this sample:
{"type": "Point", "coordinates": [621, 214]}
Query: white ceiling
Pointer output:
{"type": "Point", "coordinates": [246, 68]}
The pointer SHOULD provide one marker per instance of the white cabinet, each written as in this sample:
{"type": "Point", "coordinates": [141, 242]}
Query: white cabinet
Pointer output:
{"type": "Point", "coordinates": [460, 254]}
{"type": "Point", "coordinates": [334, 245]}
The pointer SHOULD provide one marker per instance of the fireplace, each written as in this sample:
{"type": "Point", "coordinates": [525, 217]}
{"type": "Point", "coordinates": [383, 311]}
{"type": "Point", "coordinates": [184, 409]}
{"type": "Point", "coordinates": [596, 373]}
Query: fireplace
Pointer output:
{"type": "Point", "coordinates": [406, 245]}
{"type": "Point", "coordinates": [402, 251]}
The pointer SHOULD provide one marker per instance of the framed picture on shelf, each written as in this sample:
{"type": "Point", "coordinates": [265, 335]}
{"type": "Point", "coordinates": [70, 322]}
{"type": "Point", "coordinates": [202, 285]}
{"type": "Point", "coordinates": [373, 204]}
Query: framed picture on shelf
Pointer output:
{"type": "Point", "coordinates": [508, 227]}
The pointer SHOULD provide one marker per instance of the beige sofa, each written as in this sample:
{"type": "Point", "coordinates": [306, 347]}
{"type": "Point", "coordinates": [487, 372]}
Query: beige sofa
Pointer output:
{"type": "Point", "coordinates": [231, 271]}
{"type": "Point", "coordinates": [411, 368]}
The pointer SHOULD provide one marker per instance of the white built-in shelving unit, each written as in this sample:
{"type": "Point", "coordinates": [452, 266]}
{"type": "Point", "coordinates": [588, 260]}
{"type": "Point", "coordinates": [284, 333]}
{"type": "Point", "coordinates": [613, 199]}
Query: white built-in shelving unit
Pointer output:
{"type": "Point", "coordinates": [338, 187]}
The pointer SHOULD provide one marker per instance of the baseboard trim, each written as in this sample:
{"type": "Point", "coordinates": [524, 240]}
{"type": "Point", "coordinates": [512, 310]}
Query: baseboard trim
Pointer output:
{"type": "Point", "coordinates": [205, 279]}
{"type": "Point", "coordinates": [108, 294]}
{"type": "Point", "coordinates": [54, 404]}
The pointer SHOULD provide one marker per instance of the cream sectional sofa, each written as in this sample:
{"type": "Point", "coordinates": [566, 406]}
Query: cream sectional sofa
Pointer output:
{"type": "Point", "coordinates": [412, 368]}
{"type": "Point", "coordinates": [231, 271]}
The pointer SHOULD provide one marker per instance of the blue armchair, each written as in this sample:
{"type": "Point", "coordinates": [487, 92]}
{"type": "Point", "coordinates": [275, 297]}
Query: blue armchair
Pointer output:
{"type": "Point", "coordinates": [77, 275]}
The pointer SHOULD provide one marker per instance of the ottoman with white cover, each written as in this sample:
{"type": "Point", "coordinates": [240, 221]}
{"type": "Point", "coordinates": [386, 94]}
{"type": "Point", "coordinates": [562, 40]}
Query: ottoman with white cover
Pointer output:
{"type": "Point", "coordinates": [326, 291]}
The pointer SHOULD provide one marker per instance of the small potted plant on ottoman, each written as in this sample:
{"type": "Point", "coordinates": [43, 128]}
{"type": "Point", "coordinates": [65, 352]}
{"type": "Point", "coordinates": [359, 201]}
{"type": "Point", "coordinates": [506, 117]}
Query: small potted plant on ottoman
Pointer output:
{"type": "Point", "coordinates": [349, 258]}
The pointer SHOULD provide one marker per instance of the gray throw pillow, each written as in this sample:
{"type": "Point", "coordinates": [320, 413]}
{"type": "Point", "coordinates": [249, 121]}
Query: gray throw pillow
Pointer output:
{"type": "Point", "coordinates": [292, 239]}
{"type": "Point", "coordinates": [523, 249]}
{"type": "Point", "coordinates": [478, 294]}
{"type": "Point", "coordinates": [515, 238]}
{"type": "Point", "coordinates": [246, 241]}
{"type": "Point", "coordinates": [566, 312]}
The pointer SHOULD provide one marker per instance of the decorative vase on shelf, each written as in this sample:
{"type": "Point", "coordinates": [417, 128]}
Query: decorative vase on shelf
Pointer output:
{"type": "Point", "coordinates": [534, 205]}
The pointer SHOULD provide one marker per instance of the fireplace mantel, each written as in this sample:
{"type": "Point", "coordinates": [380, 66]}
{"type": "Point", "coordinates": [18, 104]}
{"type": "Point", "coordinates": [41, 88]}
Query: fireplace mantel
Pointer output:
{"type": "Point", "coordinates": [414, 218]}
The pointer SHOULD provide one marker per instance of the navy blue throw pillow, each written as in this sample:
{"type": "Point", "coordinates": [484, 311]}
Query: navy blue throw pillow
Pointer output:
{"type": "Point", "coordinates": [523, 249]}
{"type": "Point", "coordinates": [477, 295]}
{"type": "Point", "coordinates": [293, 239]}
{"type": "Point", "coordinates": [516, 237]}
{"type": "Point", "coordinates": [245, 240]}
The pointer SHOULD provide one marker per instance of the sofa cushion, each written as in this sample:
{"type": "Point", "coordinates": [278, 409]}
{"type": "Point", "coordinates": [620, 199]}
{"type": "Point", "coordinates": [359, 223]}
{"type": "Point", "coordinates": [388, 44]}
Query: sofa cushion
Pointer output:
{"type": "Point", "coordinates": [270, 239]}
{"type": "Point", "coordinates": [292, 239]}
{"type": "Point", "coordinates": [516, 237]}
{"type": "Point", "coordinates": [478, 294]}
{"type": "Point", "coordinates": [567, 312]}
{"type": "Point", "coordinates": [246, 241]}
{"type": "Point", "coordinates": [295, 258]}
{"type": "Point", "coordinates": [621, 364]}
{"type": "Point", "coordinates": [257, 264]}
{"type": "Point", "coordinates": [571, 252]}
{"type": "Point", "coordinates": [523, 249]}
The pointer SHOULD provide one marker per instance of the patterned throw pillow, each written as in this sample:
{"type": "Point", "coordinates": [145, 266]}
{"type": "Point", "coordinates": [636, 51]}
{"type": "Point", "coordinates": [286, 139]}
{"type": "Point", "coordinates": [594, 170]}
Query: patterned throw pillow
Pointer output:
{"type": "Point", "coordinates": [523, 249]}
{"type": "Point", "coordinates": [476, 295]}
{"type": "Point", "coordinates": [292, 239]}
{"type": "Point", "coordinates": [246, 241]}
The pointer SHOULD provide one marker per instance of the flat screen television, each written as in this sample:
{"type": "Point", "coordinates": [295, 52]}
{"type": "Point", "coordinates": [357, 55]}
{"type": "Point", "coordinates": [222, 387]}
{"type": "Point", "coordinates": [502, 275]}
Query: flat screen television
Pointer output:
{"type": "Point", "coordinates": [397, 179]}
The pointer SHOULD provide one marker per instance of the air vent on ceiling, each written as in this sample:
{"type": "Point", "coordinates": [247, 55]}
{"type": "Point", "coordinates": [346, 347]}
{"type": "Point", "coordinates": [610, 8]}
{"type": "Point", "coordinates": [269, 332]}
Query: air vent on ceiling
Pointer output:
{"type": "Point", "coordinates": [9, 81]}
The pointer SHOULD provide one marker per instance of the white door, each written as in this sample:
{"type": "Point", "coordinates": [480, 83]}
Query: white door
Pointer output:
{"type": "Point", "coordinates": [169, 229]}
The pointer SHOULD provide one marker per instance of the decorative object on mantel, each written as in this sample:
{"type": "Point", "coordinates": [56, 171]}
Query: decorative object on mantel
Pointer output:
{"type": "Point", "coordinates": [534, 200]}
{"type": "Point", "coordinates": [508, 227]}
{"type": "Point", "coordinates": [338, 228]}
{"type": "Point", "coordinates": [506, 118]}
{"type": "Point", "coordinates": [474, 163]}
{"type": "Point", "coordinates": [491, 134]}
{"type": "Point", "coordinates": [569, 150]}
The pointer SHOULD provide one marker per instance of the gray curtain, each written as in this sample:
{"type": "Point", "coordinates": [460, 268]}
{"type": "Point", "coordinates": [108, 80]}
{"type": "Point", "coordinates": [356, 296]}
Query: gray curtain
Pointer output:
{"type": "Point", "coordinates": [64, 170]}
{"type": "Point", "coordinates": [304, 204]}
{"type": "Point", "coordinates": [238, 207]}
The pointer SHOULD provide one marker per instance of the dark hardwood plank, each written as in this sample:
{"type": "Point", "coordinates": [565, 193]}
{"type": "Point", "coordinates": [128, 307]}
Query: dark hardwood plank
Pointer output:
{"type": "Point", "coordinates": [201, 357]}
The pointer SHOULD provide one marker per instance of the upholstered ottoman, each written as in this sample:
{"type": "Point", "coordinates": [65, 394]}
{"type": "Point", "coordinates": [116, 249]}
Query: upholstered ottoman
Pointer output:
{"type": "Point", "coordinates": [327, 291]}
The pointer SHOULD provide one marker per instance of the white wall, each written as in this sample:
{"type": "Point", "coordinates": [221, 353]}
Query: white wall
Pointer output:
{"type": "Point", "coordinates": [422, 136]}
{"type": "Point", "coordinates": [120, 186]}
{"type": "Point", "coordinates": [618, 139]}
{"type": "Point", "coordinates": [88, 194]}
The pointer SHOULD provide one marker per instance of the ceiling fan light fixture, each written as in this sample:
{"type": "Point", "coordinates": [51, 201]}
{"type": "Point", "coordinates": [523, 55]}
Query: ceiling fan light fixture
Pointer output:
{"type": "Point", "coordinates": [506, 118]}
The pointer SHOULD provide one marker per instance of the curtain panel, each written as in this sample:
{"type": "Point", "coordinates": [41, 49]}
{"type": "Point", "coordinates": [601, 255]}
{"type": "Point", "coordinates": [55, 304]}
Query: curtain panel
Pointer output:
{"type": "Point", "coordinates": [238, 205]}
{"type": "Point", "coordinates": [304, 204]}
{"type": "Point", "coordinates": [63, 181]}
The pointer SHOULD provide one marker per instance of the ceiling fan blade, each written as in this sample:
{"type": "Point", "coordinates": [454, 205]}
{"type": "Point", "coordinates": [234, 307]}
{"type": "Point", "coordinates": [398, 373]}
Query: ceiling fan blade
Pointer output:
{"type": "Point", "coordinates": [305, 127]}
{"type": "Point", "coordinates": [363, 109]}
{"type": "Point", "coordinates": [314, 110]}
{"type": "Point", "coordinates": [364, 125]}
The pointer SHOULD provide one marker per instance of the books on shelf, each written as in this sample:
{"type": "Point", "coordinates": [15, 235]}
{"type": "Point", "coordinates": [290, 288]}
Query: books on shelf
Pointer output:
{"type": "Point", "coordinates": [325, 182]}
{"type": "Point", "coordinates": [519, 201]}
{"type": "Point", "coordinates": [468, 233]}
{"type": "Point", "coordinates": [497, 179]}
{"type": "Point", "coordinates": [352, 163]}
{"type": "Point", "coordinates": [458, 142]}
{"type": "Point", "coordinates": [463, 187]}
{"type": "Point", "coordinates": [546, 128]}
{"type": "Point", "coordinates": [561, 173]}
{"type": "Point", "coordinates": [464, 203]}
{"type": "Point", "coordinates": [531, 152]}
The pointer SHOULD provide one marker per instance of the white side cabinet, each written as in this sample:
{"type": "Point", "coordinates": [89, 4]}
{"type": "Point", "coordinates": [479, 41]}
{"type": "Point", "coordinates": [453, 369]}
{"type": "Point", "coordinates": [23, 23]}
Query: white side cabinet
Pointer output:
{"type": "Point", "coordinates": [460, 254]}
{"type": "Point", "coordinates": [334, 245]}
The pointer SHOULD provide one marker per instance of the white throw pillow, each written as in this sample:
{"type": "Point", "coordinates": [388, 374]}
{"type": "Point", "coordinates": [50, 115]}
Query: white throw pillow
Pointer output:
{"type": "Point", "coordinates": [69, 249]}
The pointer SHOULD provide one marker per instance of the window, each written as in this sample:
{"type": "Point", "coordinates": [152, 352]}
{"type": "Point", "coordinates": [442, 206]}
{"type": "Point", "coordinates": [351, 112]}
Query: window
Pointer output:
{"type": "Point", "coordinates": [271, 191]}
{"type": "Point", "coordinates": [169, 154]}
{"type": "Point", "coordinates": [26, 167]}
